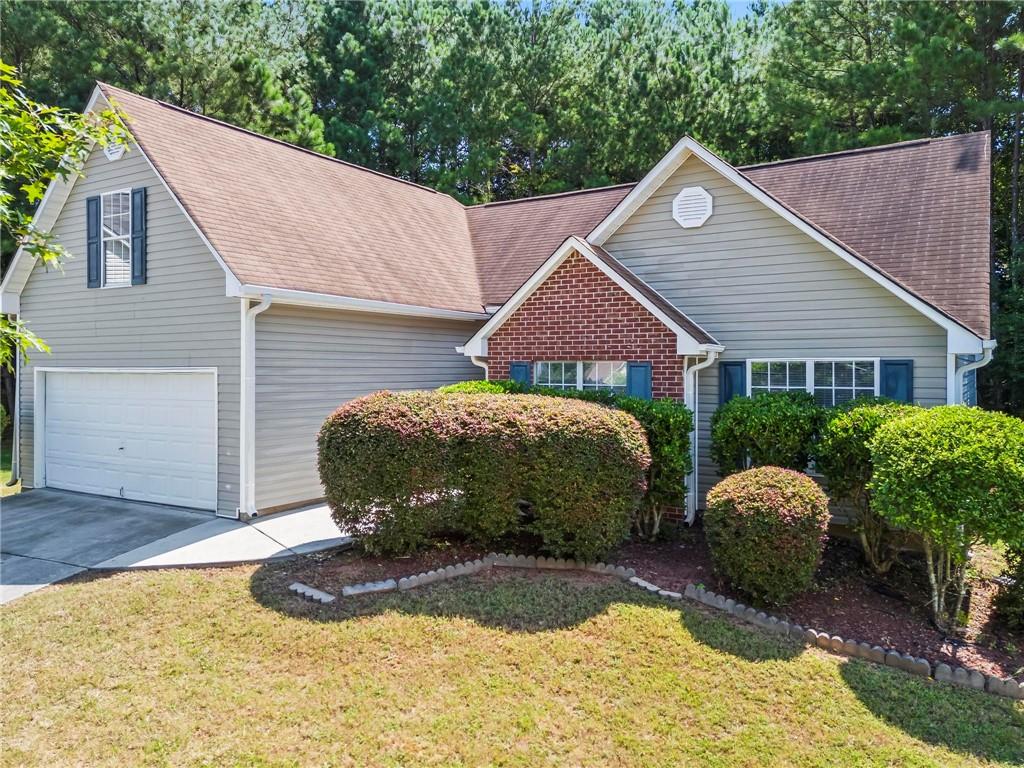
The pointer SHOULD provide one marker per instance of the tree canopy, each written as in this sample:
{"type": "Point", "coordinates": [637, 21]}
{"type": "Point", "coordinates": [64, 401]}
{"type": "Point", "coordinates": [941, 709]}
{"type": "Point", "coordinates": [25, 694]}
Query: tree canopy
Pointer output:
{"type": "Point", "coordinates": [500, 99]}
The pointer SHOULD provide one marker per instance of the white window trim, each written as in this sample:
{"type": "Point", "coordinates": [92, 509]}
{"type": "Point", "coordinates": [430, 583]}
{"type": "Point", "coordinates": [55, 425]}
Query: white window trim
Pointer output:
{"type": "Point", "coordinates": [579, 374]}
{"type": "Point", "coordinates": [810, 361]}
{"type": "Point", "coordinates": [104, 240]}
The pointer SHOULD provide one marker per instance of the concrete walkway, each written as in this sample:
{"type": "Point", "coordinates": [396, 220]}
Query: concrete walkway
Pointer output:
{"type": "Point", "coordinates": [48, 535]}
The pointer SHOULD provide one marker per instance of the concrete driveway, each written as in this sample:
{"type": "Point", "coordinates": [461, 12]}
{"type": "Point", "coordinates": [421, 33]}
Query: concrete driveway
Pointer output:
{"type": "Point", "coordinates": [48, 535]}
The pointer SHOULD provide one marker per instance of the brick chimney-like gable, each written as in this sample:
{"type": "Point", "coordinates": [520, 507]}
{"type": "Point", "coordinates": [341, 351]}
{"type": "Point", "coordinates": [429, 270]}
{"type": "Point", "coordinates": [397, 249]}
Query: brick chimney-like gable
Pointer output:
{"type": "Point", "coordinates": [579, 313]}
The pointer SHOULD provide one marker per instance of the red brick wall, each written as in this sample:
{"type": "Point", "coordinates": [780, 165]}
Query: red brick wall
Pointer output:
{"type": "Point", "coordinates": [579, 313]}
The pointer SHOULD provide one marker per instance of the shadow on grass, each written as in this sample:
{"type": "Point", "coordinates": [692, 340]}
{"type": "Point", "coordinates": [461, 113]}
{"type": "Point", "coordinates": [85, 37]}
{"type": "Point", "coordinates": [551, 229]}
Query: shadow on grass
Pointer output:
{"type": "Point", "coordinates": [739, 639]}
{"type": "Point", "coordinates": [989, 727]}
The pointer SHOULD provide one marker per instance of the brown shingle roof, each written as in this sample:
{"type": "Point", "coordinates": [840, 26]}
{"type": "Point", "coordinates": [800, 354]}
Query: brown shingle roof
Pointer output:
{"type": "Point", "coordinates": [288, 218]}
{"type": "Point", "coordinates": [918, 210]}
{"type": "Point", "coordinates": [284, 217]}
{"type": "Point", "coordinates": [512, 239]}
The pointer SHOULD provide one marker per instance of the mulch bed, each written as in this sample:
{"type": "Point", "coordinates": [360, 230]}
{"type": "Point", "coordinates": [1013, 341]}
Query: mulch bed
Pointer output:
{"type": "Point", "coordinates": [846, 599]}
{"type": "Point", "coordinates": [849, 602]}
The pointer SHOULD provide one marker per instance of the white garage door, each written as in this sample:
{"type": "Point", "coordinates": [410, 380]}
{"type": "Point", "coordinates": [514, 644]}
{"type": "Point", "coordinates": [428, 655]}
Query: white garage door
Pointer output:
{"type": "Point", "coordinates": [146, 436]}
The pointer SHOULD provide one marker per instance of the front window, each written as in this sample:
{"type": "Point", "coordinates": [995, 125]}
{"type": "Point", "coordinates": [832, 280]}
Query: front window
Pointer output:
{"type": "Point", "coordinates": [117, 238]}
{"type": "Point", "coordinates": [832, 382]}
{"type": "Point", "coordinates": [608, 375]}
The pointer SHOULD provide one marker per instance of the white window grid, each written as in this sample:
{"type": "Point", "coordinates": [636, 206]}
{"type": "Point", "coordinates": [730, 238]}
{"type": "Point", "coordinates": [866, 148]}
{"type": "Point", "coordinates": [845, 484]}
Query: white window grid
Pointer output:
{"type": "Point", "coordinates": [116, 238]}
{"type": "Point", "coordinates": [592, 374]}
{"type": "Point", "coordinates": [820, 377]}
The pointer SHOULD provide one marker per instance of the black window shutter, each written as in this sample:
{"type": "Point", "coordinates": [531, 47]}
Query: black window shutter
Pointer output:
{"type": "Point", "coordinates": [139, 236]}
{"type": "Point", "coordinates": [732, 380]}
{"type": "Point", "coordinates": [638, 380]}
{"type": "Point", "coordinates": [93, 242]}
{"type": "Point", "coordinates": [896, 380]}
{"type": "Point", "coordinates": [519, 371]}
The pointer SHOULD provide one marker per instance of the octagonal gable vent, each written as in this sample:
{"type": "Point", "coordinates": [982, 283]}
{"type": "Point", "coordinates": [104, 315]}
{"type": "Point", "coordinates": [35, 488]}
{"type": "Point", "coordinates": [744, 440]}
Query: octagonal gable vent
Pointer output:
{"type": "Point", "coordinates": [113, 151]}
{"type": "Point", "coordinates": [692, 207]}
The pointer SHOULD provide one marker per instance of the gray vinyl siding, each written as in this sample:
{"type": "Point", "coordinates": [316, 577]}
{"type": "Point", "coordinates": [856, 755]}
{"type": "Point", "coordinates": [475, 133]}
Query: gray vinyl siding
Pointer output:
{"type": "Point", "coordinates": [764, 289]}
{"type": "Point", "coordinates": [180, 318]}
{"type": "Point", "coordinates": [310, 361]}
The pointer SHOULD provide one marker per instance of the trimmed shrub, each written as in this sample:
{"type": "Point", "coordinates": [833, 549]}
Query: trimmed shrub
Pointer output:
{"type": "Point", "coordinates": [954, 475]}
{"type": "Point", "coordinates": [400, 468]}
{"type": "Point", "coordinates": [842, 454]}
{"type": "Point", "coordinates": [770, 429]}
{"type": "Point", "coordinates": [482, 387]}
{"type": "Point", "coordinates": [1009, 601]}
{"type": "Point", "coordinates": [766, 531]}
{"type": "Point", "coordinates": [667, 423]}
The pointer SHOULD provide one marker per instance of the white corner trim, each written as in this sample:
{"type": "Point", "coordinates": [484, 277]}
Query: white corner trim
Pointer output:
{"type": "Point", "coordinates": [958, 338]}
{"type": "Point", "coordinates": [477, 346]}
{"type": "Point", "coordinates": [330, 301]}
{"type": "Point", "coordinates": [692, 401]}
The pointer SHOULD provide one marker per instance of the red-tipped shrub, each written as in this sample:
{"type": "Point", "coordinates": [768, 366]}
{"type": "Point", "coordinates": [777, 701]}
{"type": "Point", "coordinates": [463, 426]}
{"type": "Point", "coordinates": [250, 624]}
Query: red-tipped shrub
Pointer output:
{"type": "Point", "coordinates": [399, 468]}
{"type": "Point", "coordinates": [766, 531]}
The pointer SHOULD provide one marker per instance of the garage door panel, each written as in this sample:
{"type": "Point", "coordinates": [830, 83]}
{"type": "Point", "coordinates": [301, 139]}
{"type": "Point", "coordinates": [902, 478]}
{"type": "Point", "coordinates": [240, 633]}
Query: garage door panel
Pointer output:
{"type": "Point", "coordinates": [145, 436]}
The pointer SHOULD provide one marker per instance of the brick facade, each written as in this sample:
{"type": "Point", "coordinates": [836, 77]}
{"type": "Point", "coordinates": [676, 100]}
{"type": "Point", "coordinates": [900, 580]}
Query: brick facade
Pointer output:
{"type": "Point", "coordinates": [579, 313]}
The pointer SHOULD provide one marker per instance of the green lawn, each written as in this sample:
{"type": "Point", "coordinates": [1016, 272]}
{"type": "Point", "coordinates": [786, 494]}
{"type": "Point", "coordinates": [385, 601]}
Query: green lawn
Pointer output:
{"type": "Point", "coordinates": [221, 667]}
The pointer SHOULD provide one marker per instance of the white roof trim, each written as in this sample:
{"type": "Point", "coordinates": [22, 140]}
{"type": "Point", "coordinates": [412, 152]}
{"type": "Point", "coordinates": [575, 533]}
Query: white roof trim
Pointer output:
{"type": "Point", "coordinates": [330, 301]}
{"type": "Point", "coordinates": [959, 339]}
{"type": "Point", "coordinates": [50, 207]}
{"type": "Point", "coordinates": [477, 346]}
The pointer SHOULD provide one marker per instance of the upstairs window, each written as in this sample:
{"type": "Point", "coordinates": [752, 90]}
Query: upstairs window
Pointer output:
{"type": "Point", "coordinates": [117, 238]}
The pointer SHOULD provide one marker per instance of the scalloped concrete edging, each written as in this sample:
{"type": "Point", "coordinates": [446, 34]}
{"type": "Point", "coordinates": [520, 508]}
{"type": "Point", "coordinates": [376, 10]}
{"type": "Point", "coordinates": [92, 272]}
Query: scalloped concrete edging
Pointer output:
{"type": "Point", "coordinates": [890, 657]}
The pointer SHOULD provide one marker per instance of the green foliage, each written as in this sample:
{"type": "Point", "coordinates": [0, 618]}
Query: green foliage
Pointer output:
{"type": "Point", "coordinates": [667, 424]}
{"type": "Point", "coordinates": [769, 429]}
{"type": "Point", "coordinates": [5, 420]}
{"type": "Point", "coordinates": [842, 454]}
{"type": "Point", "coordinates": [40, 143]}
{"type": "Point", "coordinates": [398, 469]}
{"type": "Point", "coordinates": [955, 475]}
{"type": "Point", "coordinates": [766, 531]}
{"type": "Point", "coordinates": [1009, 600]}
{"type": "Point", "coordinates": [483, 387]}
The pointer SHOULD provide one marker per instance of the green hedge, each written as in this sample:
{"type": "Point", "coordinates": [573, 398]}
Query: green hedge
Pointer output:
{"type": "Point", "coordinates": [400, 468]}
{"type": "Point", "coordinates": [667, 424]}
{"type": "Point", "coordinates": [1009, 601]}
{"type": "Point", "coordinates": [765, 528]}
{"type": "Point", "coordinates": [843, 455]}
{"type": "Point", "coordinates": [770, 429]}
{"type": "Point", "coordinates": [955, 475]}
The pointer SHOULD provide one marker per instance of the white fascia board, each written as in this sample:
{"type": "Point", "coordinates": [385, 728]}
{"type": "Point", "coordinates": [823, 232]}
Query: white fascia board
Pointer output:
{"type": "Point", "coordinates": [477, 346]}
{"type": "Point", "coordinates": [330, 301]}
{"type": "Point", "coordinates": [958, 338]}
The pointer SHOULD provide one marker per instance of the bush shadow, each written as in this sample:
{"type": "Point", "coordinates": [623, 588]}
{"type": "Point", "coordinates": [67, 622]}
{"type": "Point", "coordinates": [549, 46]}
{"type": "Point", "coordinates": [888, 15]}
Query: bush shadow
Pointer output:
{"type": "Point", "coordinates": [925, 709]}
{"type": "Point", "coordinates": [738, 638]}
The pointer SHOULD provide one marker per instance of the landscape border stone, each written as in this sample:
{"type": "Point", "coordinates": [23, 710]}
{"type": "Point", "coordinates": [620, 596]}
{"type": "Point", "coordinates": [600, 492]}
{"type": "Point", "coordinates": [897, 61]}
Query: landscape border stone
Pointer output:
{"type": "Point", "coordinates": [890, 657]}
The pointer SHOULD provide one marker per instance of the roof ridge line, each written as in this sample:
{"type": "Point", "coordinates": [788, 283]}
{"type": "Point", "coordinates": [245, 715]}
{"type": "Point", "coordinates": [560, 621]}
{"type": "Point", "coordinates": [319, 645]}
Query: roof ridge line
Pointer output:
{"type": "Point", "coordinates": [495, 203]}
{"type": "Point", "coordinates": [859, 150]}
{"type": "Point", "coordinates": [287, 144]}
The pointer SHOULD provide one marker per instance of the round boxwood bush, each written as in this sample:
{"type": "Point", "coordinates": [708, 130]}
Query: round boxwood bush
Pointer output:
{"type": "Point", "coordinates": [770, 429]}
{"type": "Point", "coordinates": [766, 531]}
{"type": "Point", "coordinates": [400, 468]}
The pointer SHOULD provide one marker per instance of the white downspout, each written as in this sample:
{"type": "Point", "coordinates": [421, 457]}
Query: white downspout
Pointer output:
{"type": "Point", "coordinates": [987, 348]}
{"type": "Point", "coordinates": [479, 363]}
{"type": "Point", "coordinates": [690, 399]}
{"type": "Point", "coordinates": [247, 406]}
